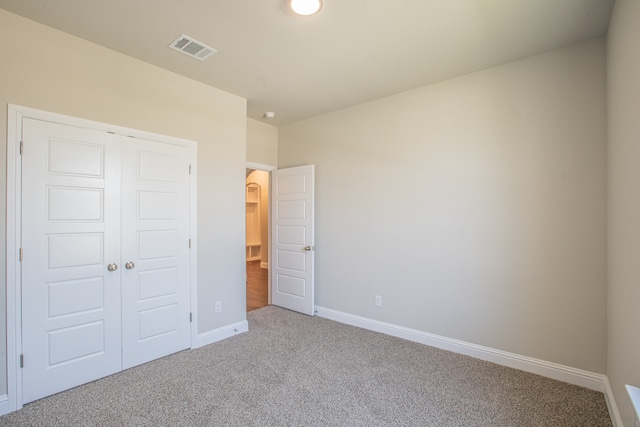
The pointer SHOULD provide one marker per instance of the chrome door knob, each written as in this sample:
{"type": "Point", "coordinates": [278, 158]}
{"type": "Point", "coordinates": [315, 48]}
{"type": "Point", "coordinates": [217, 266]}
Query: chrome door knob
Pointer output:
{"type": "Point", "coordinates": [309, 248]}
{"type": "Point", "coordinates": [130, 265]}
{"type": "Point", "coordinates": [112, 267]}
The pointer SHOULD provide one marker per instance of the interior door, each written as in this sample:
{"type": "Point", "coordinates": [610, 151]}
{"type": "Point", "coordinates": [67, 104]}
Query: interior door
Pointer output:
{"type": "Point", "coordinates": [71, 219]}
{"type": "Point", "coordinates": [155, 250]}
{"type": "Point", "coordinates": [292, 228]}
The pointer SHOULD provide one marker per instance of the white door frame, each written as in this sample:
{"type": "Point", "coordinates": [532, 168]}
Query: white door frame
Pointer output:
{"type": "Point", "coordinates": [15, 115]}
{"type": "Point", "coordinates": [266, 168]}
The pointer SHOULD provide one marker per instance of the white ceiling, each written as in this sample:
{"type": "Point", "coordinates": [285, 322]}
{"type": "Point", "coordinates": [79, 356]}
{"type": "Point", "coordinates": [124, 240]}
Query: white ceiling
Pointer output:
{"type": "Point", "coordinates": [353, 51]}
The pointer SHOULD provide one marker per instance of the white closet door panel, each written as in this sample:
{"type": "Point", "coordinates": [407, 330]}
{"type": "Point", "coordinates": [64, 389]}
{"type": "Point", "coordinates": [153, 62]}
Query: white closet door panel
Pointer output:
{"type": "Point", "coordinates": [76, 158]}
{"type": "Point", "coordinates": [155, 238]}
{"type": "Point", "coordinates": [157, 283]}
{"type": "Point", "coordinates": [67, 250]}
{"type": "Point", "coordinates": [89, 293]}
{"type": "Point", "coordinates": [70, 301]}
{"type": "Point", "coordinates": [157, 244]}
{"type": "Point", "coordinates": [158, 205]}
{"type": "Point", "coordinates": [75, 204]}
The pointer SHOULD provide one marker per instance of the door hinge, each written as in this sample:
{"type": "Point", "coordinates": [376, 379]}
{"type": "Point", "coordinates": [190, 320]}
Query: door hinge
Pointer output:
{"type": "Point", "coordinates": [189, 243]}
{"type": "Point", "coordinates": [190, 317]}
{"type": "Point", "coordinates": [189, 169]}
{"type": "Point", "coordinates": [21, 254]}
{"type": "Point", "coordinates": [22, 360]}
{"type": "Point", "coordinates": [21, 148]}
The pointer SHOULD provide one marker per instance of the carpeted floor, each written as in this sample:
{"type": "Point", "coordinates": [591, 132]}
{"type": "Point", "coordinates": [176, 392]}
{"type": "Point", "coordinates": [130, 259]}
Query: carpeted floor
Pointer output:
{"type": "Point", "coordinates": [290, 369]}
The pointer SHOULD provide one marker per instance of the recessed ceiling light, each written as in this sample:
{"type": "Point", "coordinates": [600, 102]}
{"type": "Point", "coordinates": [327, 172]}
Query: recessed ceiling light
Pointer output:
{"type": "Point", "coordinates": [305, 7]}
{"type": "Point", "coordinates": [269, 115]}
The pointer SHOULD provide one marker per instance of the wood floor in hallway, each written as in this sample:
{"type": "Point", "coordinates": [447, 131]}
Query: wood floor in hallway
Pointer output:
{"type": "Point", "coordinates": [257, 286]}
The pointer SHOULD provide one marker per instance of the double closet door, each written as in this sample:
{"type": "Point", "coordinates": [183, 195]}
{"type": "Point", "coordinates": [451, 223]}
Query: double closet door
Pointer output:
{"type": "Point", "coordinates": [105, 240]}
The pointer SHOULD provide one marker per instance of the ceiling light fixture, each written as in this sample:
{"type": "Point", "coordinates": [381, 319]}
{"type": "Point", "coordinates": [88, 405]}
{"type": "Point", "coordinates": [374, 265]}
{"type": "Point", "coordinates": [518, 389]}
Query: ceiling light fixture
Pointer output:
{"type": "Point", "coordinates": [305, 7]}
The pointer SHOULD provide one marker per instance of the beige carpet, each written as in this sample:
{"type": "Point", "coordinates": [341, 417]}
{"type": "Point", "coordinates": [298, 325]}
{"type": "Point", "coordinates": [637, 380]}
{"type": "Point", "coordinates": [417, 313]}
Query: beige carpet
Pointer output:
{"type": "Point", "coordinates": [294, 370]}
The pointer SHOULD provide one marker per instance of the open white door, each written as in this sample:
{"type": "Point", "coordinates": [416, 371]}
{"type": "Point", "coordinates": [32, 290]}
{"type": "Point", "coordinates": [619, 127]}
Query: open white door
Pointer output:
{"type": "Point", "coordinates": [292, 243]}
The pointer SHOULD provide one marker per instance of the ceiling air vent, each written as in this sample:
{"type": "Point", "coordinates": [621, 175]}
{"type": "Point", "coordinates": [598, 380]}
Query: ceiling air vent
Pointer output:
{"type": "Point", "coordinates": [193, 48]}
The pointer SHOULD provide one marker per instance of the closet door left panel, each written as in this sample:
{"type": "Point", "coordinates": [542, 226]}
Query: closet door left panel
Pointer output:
{"type": "Point", "coordinates": [71, 322]}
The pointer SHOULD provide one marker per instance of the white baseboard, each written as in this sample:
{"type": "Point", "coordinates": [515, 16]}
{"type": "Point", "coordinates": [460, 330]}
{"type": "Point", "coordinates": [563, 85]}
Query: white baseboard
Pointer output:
{"type": "Point", "coordinates": [552, 370]}
{"type": "Point", "coordinates": [616, 419]}
{"type": "Point", "coordinates": [4, 405]}
{"type": "Point", "coordinates": [220, 334]}
{"type": "Point", "coordinates": [264, 265]}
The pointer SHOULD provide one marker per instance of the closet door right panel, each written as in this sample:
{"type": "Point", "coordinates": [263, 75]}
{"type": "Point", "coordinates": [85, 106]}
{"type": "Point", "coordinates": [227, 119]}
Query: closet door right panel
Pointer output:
{"type": "Point", "coordinates": [155, 250]}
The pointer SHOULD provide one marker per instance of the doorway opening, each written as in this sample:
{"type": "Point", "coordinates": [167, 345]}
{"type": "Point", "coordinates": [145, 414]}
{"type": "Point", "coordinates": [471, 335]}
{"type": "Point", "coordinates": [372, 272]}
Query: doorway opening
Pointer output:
{"type": "Point", "coordinates": [257, 238]}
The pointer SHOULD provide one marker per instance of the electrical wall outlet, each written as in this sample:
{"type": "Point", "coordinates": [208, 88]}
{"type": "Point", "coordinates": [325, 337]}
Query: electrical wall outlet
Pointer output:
{"type": "Point", "coordinates": [378, 301]}
{"type": "Point", "coordinates": [218, 306]}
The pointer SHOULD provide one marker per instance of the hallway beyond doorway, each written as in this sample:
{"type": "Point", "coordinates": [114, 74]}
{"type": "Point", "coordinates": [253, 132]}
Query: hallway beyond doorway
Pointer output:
{"type": "Point", "coordinates": [257, 286]}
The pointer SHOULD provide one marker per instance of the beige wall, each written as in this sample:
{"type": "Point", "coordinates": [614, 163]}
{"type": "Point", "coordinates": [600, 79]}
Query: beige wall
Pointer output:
{"type": "Point", "coordinates": [262, 143]}
{"type": "Point", "coordinates": [475, 207]}
{"type": "Point", "coordinates": [53, 71]}
{"type": "Point", "coordinates": [623, 78]}
{"type": "Point", "coordinates": [262, 179]}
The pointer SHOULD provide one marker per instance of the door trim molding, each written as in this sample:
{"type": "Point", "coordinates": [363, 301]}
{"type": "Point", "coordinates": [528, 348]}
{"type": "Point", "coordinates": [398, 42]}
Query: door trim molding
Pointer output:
{"type": "Point", "coordinates": [266, 168]}
{"type": "Point", "coordinates": [14, 189]}
{"type": "Point", "coordinates": [15, 116]}
{"type": "Point", "coordinates": [260, 167]}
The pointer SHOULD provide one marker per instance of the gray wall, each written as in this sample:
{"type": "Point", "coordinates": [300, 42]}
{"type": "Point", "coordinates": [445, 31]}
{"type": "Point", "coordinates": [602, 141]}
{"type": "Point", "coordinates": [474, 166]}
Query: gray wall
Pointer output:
{"type": "Point", "coordinates": [53, 71]}
{"type": "Point", "coordinates": [623, 78]}
{"type": "Point", "coordinates": [476, 207]}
